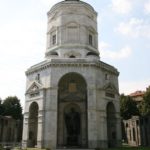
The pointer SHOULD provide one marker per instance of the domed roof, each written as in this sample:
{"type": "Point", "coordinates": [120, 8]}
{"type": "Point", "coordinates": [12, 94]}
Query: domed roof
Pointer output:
{"type": "Point", "coordinates": [67, 2]}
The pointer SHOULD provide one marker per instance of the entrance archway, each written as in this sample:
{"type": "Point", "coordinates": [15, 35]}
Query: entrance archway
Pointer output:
{"type": "Point", "coordinates": [72, 111]}
{"type": "Point", "coordinates": [111, 125]}
{"type": "Point", "coordinates": [33, 125]}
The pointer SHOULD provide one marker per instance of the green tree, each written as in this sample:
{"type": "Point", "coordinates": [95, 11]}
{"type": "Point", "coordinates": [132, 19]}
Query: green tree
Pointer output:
{"type": "Point", "coordinates": [128, 107]}
{"type": "Point", "coordinates": [1, 108]}
{"type": "Point", "coordinates": [146, 103]}
{"type": "Point", "coordinates": [12, 107]}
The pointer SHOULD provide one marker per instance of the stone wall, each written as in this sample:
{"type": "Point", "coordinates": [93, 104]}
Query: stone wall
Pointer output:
{"type": "Point", "coordinates": [10, 130]}
{"type": "Point", "coordinates": [137, 131]}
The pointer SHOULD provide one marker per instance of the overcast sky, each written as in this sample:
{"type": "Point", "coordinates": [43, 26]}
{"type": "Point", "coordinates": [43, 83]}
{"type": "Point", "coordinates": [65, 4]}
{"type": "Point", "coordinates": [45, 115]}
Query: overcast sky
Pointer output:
{"type": "Point", "coordinates": [124, 41]}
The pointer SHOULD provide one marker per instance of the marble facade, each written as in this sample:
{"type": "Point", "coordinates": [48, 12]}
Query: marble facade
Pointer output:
{"type": "Point", "coordinates": [72, 77]}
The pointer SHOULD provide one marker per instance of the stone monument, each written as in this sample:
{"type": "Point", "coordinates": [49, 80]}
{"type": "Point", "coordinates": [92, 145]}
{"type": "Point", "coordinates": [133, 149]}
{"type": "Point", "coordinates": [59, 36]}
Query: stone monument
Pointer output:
{"type": "Point", "coordinates": [72, 98]}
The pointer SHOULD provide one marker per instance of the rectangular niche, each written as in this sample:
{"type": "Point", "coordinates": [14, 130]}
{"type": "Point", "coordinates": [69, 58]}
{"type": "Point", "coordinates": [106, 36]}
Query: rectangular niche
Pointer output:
{"type": "Point", "coordinates": [72, 34]}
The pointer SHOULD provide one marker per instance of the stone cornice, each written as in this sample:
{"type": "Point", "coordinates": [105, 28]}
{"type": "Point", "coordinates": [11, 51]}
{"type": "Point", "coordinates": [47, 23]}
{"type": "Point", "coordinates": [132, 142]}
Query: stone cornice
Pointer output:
{"type": "Point", "coordinates": [71, 63]}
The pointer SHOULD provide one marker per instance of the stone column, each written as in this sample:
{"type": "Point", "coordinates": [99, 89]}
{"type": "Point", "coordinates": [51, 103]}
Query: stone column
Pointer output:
{"type": "Point", "coordinates": [92, 118]}
{"type": "Point", "coordinates": [25, 130]}
{"type": "Point", "coordinates": [40, 129]}
{"type": "Point", "coordinates": [139, 131]}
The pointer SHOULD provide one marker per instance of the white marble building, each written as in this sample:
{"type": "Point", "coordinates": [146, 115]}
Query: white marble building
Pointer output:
{"type": "Point", "coordinates": [72, 98]}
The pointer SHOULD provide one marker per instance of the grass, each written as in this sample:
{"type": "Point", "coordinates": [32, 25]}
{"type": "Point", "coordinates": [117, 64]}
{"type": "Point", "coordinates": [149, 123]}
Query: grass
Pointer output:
{"type": "Point", "coordinates": [29, 149]}
{"type": "Point", "coordinates": [33, 149]}
{"type": "Point", "coordinates": [122, 148]}
{"type": "Point", "coordinates": [129, 148]}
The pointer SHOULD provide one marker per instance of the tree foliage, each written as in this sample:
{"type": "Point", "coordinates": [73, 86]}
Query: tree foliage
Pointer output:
{"type": "Point", "coordinates": [146, 103]}
{"type": "Point", "coordinates": [1, 108]}
{"type": "Point", "coordinates": [12, 107]}
{"type": "Point", "coordinates": [128, 107]}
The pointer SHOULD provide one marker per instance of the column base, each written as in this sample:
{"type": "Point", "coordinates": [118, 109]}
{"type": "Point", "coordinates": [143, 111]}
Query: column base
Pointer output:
{"type": "Point", "coordinates": [24, 144]}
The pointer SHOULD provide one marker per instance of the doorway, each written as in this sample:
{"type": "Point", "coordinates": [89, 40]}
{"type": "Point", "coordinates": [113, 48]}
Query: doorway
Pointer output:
{"type": "Point", "coordinates": [72, 111]}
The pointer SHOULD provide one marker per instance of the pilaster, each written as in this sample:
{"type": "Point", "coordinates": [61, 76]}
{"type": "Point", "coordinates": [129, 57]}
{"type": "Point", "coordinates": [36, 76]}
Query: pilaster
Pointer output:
{"type": "Point", "coordinates": [40, 129]}
{"type": "Point", "coordinates": [92, 118]}
{"type": "Point", "coordinates": [25, 130]}
{"type": "Point", "coordinates": [118, 129]}
{"type": "Point", "coordinates": [50, 124]}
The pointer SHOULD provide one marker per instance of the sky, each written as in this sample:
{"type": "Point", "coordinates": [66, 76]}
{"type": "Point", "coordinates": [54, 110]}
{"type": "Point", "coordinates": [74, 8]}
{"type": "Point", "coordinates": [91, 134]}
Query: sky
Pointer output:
{"type": "Point", "coordinates": [124, 41]}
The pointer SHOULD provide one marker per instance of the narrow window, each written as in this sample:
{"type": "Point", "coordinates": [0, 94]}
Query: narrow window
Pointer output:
{"type": "Point", "coordinates": [30, 135]}
{"type": "Point", "coordinates": [137, 122]}
{"type": "Point", "coordinates": [38, 77]}
{"type": "Point", "coordinates": [106, 76]}
{"type": "Point", "coordinates": [114, 135]}
{"type": "Point", "coordinates": [134, 134]}
{"type": "Point", "coordinates": [54, 39]}
{"type": "Point", "coordinates": [146, 120]}
{"type": "Point", "coordinates": [130, 135]}
{"type": "Point", "coordinates": [90, 39]}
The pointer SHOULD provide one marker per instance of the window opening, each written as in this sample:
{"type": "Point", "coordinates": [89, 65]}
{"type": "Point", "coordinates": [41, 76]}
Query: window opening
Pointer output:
{"type": "Point", "coordinates": [54, 39]}
{"type": "Point", "coordinates": [72, 56]}
{"type": "Point", "coordinates": [90, 39]}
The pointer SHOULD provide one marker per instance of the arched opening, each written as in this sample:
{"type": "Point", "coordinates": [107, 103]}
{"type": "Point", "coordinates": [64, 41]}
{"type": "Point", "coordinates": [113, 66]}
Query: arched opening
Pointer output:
{"type": "Point", "coordinates": [9, 134]}
{"type": "Point", "coordinates": [33, 125]}
{"type": "Point", "coordinates": [111, 125]}
{"type": "Point", "coordinates": [124, 130]}
{"type": "Point", "coordinates": [92, 54]}
{"type": "Point", "coordinates": [72, 111]}
{"type": "Point", "coordinates": [1, 129]}
{"type": "Point", "coordinates": [133, 130]}
{"type": "Point", "coordinates": [54, 54]}
{"type": "Point", "coordinates": [72, 56]}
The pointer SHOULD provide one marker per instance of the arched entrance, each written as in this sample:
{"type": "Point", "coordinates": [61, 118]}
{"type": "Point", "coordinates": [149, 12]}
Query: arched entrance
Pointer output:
{"type": "Point", "coordinates": [33, 125]}
{"type": "Point", "coordinates": [111, 125]}
{"type": "Point", "coordinates": [72, 111]}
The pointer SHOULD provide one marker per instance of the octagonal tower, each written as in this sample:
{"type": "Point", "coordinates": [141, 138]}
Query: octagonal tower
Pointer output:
{"type": "Point", "coordinates": [72, 30]}
{"type": "Point", "coordinates": [72, 98]}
